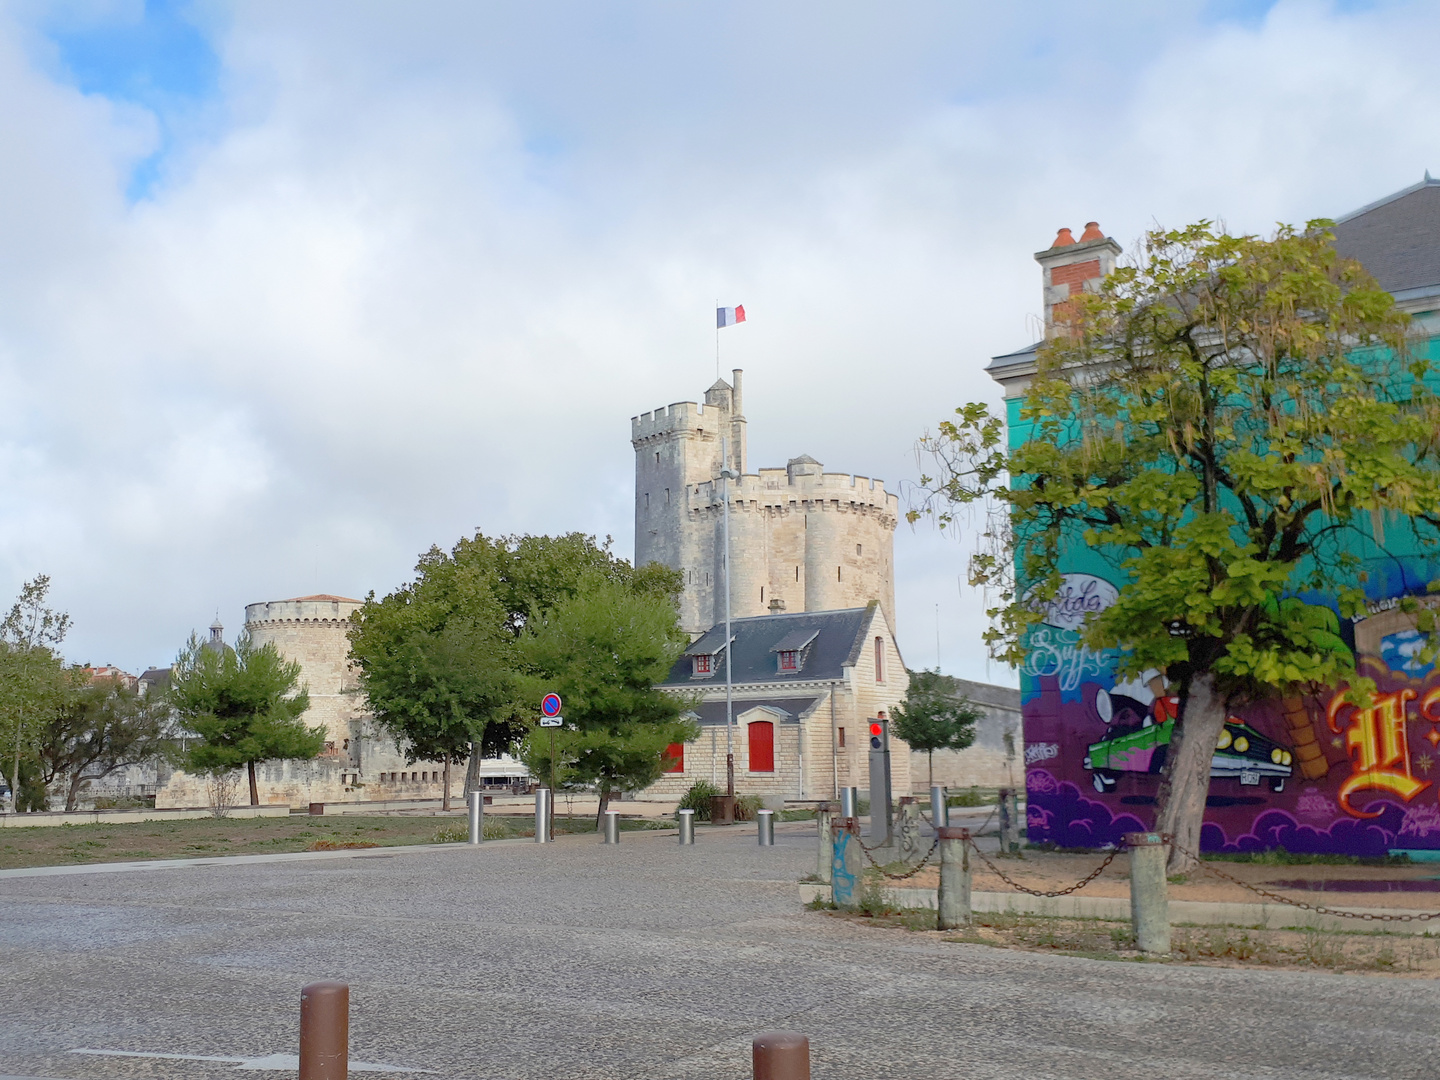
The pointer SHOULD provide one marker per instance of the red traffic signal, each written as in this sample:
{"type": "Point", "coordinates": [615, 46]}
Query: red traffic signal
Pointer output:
{"type": "Point", "coordinates": [876, 729]}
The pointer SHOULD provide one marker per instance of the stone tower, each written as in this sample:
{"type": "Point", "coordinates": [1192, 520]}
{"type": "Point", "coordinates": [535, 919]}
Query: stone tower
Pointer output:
{"type": "Point", "coordinates": [801, 539]}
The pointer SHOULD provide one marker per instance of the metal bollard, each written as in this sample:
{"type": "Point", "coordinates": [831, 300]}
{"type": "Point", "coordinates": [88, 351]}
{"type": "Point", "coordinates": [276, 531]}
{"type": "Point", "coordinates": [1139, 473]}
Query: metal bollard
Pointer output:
{"type": "Point", "coordinates": [687, 827]}
{"type": "Point", "coordinates": [475, 804]}
{"type": "Point", "coordinates": [781, 1055]}
{"type": "Point", "coordinates": [612, 826]}
{"type": "Point", "coordinates": [542, 816]}
{"type": "Point", "coordinates": [324, 1031]}
{"type": "Point", "coordinates": [849, 802]}
{"type": "Point", "coordinates": [939, 807]}
{"type": "Point", "coordinates": [765, 827]}
{"type": "Point", "coordinates": [845, 866]}
{"type": "Point", "coordinates": [1009, 821]}
{"type": "Point", "coordinates": [953, 903]}
{"type": "Point", "coordinates": [826, 856]}
{"type": "Point", "coordinates": [1149, 897]}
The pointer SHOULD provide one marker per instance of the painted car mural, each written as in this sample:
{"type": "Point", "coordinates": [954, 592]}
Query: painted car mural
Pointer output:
{"type": "Point", "coordinates": [1312, 773]}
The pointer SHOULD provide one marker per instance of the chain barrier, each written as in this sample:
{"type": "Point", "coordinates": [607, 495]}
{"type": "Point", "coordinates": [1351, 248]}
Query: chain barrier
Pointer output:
{"type": "Point", "coordinates": [1039, 892]}
{"type": "Point", "coordinates": [934, 847]}
{"type": "Point", "coordinates": [976, 831]}
{"type": "Point", "coordinates": [1318, 909]}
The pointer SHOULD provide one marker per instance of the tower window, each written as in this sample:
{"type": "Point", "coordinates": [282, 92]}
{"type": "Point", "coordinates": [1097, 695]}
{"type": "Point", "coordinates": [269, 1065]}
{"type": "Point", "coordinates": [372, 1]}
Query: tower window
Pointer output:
{"type": "Point", "coordinates": [797, 573]}
{"type": "Point", "coordinates": [879, 660]}
{"type": "Point", "coordinates": [667, 496]}
{"type": "Point", "coordinates": [859, 549]}
{"type": "Point", "coordinates": [837, 573]}
{"type": "Point", "coordinates": [657, 457]}
{"type": "Point", "coordinates": [762, 594]}
{"type": "Point", "coordinates": [842, 738]}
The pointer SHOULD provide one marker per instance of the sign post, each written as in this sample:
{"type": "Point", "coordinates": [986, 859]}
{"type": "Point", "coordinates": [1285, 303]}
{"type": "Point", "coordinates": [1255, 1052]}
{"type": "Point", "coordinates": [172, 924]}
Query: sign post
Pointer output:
{"type": "Point", "coordinates": [550, 718]}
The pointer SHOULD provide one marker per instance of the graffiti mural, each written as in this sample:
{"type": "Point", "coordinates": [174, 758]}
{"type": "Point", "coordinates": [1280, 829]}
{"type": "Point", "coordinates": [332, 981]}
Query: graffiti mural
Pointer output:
{"type": "Point", "coordinates": [1312, 774]}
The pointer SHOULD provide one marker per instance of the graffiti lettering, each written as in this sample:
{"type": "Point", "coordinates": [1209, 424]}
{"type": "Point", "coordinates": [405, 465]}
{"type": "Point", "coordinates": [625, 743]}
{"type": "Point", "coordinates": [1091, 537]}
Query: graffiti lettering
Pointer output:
{"type": "Point", "coordinates": [1379, 749]}
{"type": "Point", "coordinates": [1059, 653]}
{"type": "Point", "coordinates": [1041, 751]}
{"type": "Point", "coordinates": [1079, 597]}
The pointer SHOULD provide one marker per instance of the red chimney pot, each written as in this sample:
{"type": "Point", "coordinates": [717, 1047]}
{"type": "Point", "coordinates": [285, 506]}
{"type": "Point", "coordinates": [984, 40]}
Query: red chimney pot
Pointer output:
{"type": "Point", "coordinates": [1092, 232]}
{"type": "Point", "coordinates": [1062, 238]}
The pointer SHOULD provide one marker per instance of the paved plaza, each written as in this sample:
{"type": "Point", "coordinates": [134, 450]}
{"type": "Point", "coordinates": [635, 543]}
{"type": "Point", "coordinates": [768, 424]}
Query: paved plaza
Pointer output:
{"type": "Point", "coordinates": [639, 961]}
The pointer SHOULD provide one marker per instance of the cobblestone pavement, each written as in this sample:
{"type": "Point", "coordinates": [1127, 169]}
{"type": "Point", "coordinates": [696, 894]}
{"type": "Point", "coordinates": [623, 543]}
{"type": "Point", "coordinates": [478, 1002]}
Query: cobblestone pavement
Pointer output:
{"type": "Point", "coordinates": [639, 961]}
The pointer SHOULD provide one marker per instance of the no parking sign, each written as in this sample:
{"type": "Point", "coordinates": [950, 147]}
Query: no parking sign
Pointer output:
{"type": "Point", "coordinates": [550, 711]}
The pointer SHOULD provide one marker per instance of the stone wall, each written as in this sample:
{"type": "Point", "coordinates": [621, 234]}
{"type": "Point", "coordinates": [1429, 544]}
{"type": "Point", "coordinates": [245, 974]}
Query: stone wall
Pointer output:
{"type": "Point", "coordinates": [988, 762]}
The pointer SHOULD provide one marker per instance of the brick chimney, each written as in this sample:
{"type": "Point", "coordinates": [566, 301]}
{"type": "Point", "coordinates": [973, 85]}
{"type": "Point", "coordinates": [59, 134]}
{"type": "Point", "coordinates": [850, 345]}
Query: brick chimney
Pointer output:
{"type": "Point", "coordinates": [1069, 266]}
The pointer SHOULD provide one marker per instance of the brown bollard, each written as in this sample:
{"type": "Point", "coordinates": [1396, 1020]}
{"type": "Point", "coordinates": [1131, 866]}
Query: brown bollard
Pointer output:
{"type": "Point", "coordinates": [781, 1055]}
{"type": "Point", "coordinates": [325, 1031]}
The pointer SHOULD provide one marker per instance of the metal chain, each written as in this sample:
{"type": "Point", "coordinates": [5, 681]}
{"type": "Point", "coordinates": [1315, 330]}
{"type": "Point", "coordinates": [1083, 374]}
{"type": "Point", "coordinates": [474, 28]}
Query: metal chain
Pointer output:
{"type": "Point", "coordinates": [909, 873]}
{"type": "Point", "coordinates": [977, 832]}
{"type": "Point", "coordinates": [1037, 892]}
{"type": "Point", "coordinates": [1319, 909]}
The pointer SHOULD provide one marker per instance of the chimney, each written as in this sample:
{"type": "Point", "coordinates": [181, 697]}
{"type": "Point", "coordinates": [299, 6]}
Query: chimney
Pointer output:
{"type": "Point", "coordinates": [1069, 267]}
{"type": "Point", "coordinates": [776, 606]}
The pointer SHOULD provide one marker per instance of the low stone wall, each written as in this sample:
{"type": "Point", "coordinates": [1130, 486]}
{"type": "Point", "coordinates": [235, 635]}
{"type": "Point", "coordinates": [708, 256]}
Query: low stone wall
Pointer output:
{"type": "Point", "coordinates": [116, 817]}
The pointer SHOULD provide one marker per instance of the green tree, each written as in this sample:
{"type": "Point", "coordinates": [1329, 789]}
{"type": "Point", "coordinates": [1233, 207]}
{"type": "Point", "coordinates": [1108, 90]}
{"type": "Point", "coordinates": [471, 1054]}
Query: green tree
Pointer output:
{"type": "Point", "coordinates": [1228, 423]}
{"type": "Point", "coordinates": [934, 717]}
{"type": "Point", "coordinates": [100, 727]}
{"type": "Point", "coordinates": [603, 650]}
{"type": "Point", "coordinates": [31, 684]}
{"type": "Point", "coordinates": [246, 706]}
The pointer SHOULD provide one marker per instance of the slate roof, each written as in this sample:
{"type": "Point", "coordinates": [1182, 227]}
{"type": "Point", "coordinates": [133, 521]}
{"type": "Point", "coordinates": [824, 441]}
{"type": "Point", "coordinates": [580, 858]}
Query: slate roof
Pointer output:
{"type": "Point", "coordinates": [710, 713]}
{"type": "Point", "coordinates": [838, 639]}
{"type": "Point", "coordinates": [1397, 238]}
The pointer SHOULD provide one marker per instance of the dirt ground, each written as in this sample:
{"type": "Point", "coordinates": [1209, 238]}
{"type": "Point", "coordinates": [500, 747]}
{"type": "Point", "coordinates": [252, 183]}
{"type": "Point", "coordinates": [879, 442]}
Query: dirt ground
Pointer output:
{"type": "Point", "coordinates": [1219, 946]}
{"type": "Point", "coordinates": [76, 844]}
{"type": "Point", "coordinates": [1052, 870]}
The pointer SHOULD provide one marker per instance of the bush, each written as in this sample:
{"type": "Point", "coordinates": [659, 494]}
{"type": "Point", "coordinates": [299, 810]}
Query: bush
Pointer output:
{"type": "Point", "coordinates": [747, 806]}
{"type": "Point", "coordinates": [967, 798]}
{"type": "Point", "coordinates": [698, 799]}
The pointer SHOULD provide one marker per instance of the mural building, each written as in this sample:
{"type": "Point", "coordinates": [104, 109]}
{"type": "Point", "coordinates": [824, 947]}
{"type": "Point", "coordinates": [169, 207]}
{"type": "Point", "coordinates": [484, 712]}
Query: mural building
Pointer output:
{"type": "Point", "coordinates": [1310, 774]}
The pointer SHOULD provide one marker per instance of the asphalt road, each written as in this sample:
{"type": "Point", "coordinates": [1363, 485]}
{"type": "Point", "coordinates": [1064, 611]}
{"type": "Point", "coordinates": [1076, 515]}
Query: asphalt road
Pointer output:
{"type": "Point", "coordinates": [645, 960]}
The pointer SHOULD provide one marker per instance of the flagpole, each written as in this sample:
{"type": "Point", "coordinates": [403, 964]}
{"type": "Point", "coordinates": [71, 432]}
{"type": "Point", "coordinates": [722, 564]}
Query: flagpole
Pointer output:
{"type": "Point", "coordinates": [717, 337]}
{"type": "Point", "coordinates": [725, 565]}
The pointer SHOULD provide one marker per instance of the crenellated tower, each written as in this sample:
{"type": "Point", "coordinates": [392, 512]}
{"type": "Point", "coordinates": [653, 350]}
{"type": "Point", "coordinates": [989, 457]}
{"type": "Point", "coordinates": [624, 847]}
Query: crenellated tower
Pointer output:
{"type": "Point", "coordinates": [801, 539]}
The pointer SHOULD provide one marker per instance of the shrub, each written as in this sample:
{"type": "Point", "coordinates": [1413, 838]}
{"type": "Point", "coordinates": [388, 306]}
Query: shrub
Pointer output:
{"type": "Point", "coordinates": [747, 806]}
{"type": "Point", "coordinates": [967, 798]}
{"type": "Point", "coordinates": [698, 799]}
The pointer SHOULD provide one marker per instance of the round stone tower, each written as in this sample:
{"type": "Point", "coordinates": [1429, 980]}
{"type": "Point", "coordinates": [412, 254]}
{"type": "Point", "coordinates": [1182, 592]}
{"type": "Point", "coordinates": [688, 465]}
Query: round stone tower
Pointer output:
{"type": "Point", "coordinates": [312, 631]}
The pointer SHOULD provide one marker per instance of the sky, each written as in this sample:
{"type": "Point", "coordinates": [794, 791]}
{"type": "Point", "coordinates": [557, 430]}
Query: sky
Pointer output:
{"type": "Point", "coordinates": [291, 292]}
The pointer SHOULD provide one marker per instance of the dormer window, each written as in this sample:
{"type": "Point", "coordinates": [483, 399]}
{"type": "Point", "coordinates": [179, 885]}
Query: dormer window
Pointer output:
{"type": "Point", "coordinates": [790, 660]}
{"type": "Point", "coordinates": [704, 663]}
{"type": "Point", "coordinates": [790, 650]}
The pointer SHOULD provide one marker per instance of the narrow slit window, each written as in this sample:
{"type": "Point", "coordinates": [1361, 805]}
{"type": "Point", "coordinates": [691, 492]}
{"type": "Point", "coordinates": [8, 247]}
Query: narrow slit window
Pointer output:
{"type": "Point", "coordinates": [879, 660]}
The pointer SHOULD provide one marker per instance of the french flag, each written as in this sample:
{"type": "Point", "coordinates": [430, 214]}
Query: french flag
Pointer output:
{"type": "Point", "coordinates": [729, 316]}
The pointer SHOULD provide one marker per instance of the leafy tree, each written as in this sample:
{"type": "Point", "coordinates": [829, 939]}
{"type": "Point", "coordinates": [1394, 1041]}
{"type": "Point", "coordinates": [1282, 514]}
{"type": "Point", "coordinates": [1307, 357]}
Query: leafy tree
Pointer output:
{"type": "Point", "coordinates": [31, 682]}
{"type": "Point", "coordinates": [98, 728]}
{"type": "Point", "coordinates": [1232, 423]}
{"type": "Point", "coordinates": [933, 717]}
{"type": "Point", "coordinates": [245, 704]}
{"type": "Point", "coordinates": [603, 650]}
{"type": "Point", "coordinates": [436, 661]}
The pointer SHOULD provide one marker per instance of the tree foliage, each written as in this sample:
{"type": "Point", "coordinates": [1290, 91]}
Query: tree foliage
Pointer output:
{"type": "Point", "coordinates": [603, 650]}
{"type": "Point", "coordinates": [246, 706]}
{"type": "Point", "coordinates": [32, 685]}
{"type": "Point", "coordinates": [934, 717]}
{"type": "Point", "coordinates": [98, 728]}
{"type": "Point", "coordinates": [1228, 423]}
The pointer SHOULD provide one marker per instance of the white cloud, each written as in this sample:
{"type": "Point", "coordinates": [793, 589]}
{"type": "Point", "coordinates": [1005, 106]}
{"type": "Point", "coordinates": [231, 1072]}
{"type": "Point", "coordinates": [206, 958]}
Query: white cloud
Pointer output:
{"type": "Point", "coordinates": [430, 259]}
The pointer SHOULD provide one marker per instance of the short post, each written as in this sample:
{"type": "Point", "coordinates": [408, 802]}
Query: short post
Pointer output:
{"type": "Point", "coordinates": [954, 900]}
{"type": "Point", "coordinates": [845, 867]}
{"type": "Point", "coordinates": [1149, 897]}
{"type": "Point", "coordinates": [612, 826]}
{"type": "Point", "coordinates": [849, 802]}
{"type": "Point", "coordinates": [722, 809]}
{"type": "Point", "coordinates": [1009, 826]}
{"type": "Point", "coordinates": [824, 814]}
{"type": "Point", "coordinates": [781, 1055]}
{"type": "Point", "coordinates": [909, 829]}
{"type": "Point", "coordinates": [687, 827]}
{"type": "Point", "coordinates": [939, 807]}
{"type": "Point", "coordinates": [475, 805]}
{"type": "Point", "coordinates": [542, 815]}
{"type": "Point", "coordinates": [765, 827]}
{"type": "Point", "coordinates": [324, 1031]}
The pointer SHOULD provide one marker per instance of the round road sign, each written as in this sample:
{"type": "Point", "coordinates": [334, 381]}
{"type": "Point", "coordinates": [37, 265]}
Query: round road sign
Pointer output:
{"type": "Point", "coordinates": [550, 705]}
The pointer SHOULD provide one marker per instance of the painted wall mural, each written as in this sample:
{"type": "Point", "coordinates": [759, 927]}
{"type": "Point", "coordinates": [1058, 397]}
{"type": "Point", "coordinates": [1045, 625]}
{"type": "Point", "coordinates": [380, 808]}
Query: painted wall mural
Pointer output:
{"type": "Point", "coordinates": [1311, 774]}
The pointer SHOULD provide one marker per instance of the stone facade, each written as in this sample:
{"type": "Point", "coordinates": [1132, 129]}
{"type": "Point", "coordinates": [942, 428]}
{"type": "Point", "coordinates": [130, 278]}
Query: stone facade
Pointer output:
{"type": "Point", "coordinates": [821, 743]}
{"type": "Point", "coordinates": [801, 539]}
{"type": "Point", "coordinates": [990, 761]}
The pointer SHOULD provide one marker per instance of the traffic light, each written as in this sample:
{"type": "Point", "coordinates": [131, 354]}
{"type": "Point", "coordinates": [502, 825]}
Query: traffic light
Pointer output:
{"type": "Point", "coordinates": [877, 735]}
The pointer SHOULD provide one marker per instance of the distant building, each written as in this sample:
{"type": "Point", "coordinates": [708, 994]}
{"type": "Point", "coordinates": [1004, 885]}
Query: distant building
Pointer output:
{"type": "Point", "coordinates": [806, 686]}
{"type": "Point", "coordinates": [997, 756]}
{"type": "Point", "coordinates": [113, 674]}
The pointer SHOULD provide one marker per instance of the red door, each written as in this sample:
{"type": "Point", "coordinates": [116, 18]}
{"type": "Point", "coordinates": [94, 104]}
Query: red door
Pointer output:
{"type": "Point", "coordinates": [673, 759]}
{"type": "Point", "coordinates": [762, 746]}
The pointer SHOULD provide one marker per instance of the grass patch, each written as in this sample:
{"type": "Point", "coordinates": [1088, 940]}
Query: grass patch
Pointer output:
{"type": "Point", "coordinates": [1278, 856]}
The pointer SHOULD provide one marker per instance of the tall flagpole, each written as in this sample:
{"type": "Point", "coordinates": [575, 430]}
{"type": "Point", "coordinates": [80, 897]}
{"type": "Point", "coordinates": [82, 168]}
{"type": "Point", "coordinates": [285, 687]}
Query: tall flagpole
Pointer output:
{"type": "Point", "coordinates": [717, 337]}
{"type": "Point", "coordinates": [725, 565]}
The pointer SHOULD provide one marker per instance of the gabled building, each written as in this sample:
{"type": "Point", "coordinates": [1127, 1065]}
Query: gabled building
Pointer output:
{"type": "Point", "coordinates": [805, 687]}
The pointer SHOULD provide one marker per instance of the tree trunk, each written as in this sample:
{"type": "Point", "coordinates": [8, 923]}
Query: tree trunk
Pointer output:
{"type": "Point", "coordinates": [15, 782]}
{"type": "Point", "coordinates": [254, 788]}
{"type": "Point", "coordinates": [604, 805]}
{"type": "Point", "coordinates": [445, 798]}
{"type": "Point", "coordinates": [1186, 781]}
{"type": "Point", "coordinates": [73, 795]}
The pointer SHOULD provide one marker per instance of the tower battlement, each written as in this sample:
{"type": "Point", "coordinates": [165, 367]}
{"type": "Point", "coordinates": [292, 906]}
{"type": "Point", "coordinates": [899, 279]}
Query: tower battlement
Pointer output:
{"type": "Point", "coordinates": [670, 419]}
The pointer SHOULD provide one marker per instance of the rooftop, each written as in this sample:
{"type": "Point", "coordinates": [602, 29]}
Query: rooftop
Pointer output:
{"type": "Point", "coordinates": [831, 641]}
{"type": "Point", "coordinates": [1397, 238]}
